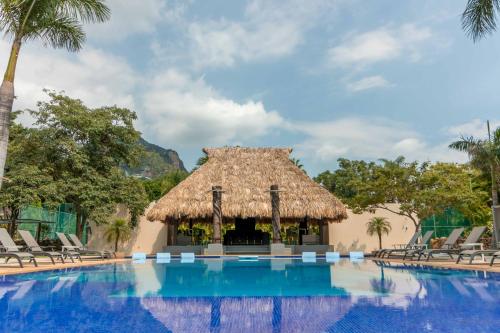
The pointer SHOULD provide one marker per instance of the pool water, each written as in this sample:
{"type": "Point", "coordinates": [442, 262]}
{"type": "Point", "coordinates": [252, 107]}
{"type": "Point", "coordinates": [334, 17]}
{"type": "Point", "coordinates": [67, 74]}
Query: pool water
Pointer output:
{"type": "Point", "coordinates": [271, 295]}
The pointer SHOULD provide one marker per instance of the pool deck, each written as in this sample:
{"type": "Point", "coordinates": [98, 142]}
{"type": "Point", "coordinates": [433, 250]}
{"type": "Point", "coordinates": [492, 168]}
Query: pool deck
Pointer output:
{"type": "Point", "coordinates": [475, 266]}
{"type": "Point", "coordinates": [45, 265]}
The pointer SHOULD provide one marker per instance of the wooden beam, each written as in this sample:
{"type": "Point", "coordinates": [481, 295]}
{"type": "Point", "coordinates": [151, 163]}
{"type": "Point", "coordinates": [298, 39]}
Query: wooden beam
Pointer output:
{"type": "Point", "coordinates": [217, 213]}
{"type": "Point", "coordinates": [275, 217]}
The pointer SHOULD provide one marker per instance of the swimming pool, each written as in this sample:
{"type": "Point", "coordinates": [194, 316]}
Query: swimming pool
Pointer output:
{"type": "Point", "coordinates": [272, 295]}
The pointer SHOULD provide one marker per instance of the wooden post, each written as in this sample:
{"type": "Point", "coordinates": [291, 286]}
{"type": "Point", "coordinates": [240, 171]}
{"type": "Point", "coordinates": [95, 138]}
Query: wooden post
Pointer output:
{"type": "Point", "coordinates": [171, 232]}
{"type": "Point", "coordinates": [217, 213]}
{"type": "Point", "coordinates": [38, 232]}
{"type": "Point", "coordinates": [275, 217]}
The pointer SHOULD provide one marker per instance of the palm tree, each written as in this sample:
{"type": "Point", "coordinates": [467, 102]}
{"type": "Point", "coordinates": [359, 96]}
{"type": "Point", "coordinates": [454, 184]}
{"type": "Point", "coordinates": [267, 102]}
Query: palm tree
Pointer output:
{"type": "Point", "coordinates": [485, 155]}
{"type": "Point", "coordinates": [479, 18]}
{"type": "Point", "coordinates": [298, 164]}
{"type": "Point", "coordinates": [118, 230]}
{"type": "Point", "coordinates": [378, 226]}
{"type": "Point", "coordinates": [58, 23]}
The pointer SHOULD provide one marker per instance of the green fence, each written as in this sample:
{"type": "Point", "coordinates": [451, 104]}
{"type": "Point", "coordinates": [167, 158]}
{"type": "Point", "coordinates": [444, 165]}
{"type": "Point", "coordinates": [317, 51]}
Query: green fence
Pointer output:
{"type": "Point", "coordinates": [443, 224]}
{"type": "Point", "coordinates": [58, 221]}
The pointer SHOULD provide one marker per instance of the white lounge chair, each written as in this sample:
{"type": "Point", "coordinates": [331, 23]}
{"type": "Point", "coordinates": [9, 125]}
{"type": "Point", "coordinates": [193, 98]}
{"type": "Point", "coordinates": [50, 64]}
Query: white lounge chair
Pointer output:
{"type": "Point", "coordinates": [13, 251]}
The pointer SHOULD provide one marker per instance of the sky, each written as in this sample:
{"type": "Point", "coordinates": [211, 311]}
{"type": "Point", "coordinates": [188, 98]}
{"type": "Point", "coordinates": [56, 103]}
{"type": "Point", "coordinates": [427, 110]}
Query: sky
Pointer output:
{"type": "Point", "coordinates": [358, 79]}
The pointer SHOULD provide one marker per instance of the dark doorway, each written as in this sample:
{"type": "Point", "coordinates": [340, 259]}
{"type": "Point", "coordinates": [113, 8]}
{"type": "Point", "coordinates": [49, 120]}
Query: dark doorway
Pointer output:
{"type": "Point", "coordinates": [244, 233]}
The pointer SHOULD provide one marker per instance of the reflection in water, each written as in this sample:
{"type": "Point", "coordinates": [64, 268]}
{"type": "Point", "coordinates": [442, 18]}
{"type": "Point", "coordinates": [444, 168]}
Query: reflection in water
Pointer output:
{"type": "Point", "coordinates": [282, 296]}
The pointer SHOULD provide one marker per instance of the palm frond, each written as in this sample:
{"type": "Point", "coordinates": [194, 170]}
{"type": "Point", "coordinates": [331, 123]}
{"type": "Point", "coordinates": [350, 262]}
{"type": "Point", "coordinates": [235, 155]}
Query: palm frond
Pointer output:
{"type": "Point", "coordinates": [62, 32]}
{"type": "Point", "coordinates": [479, 18]}
{"type": "Point", "coordinates": [88, 11]}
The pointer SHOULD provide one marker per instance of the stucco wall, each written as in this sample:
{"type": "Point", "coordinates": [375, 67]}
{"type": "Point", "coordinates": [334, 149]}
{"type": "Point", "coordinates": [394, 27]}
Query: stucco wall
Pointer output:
{"type": "Point", "coordinates": [148, 237]}
{"type": "Point", "coordinates": [350, 235]}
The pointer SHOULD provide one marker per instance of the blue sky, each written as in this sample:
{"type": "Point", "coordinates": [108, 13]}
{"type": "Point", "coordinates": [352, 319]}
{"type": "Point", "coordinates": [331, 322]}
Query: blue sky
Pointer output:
{"type": "Point", "coordinates": [356, 79]}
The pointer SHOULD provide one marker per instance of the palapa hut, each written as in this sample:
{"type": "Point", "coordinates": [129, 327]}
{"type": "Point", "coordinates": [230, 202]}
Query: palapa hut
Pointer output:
{"type": "Point", "coordinates": [244, 186]}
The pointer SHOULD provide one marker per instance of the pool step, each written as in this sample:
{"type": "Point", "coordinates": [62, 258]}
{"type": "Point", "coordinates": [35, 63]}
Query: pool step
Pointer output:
{"type": "Point", "coordinates": [247, 249]}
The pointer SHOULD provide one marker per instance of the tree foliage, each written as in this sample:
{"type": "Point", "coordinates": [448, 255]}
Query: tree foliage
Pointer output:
{"type": "Point", "coordinates": [480, 18]}
{"type": "Point", "coordinates": [158, 187]}
{"type": "Point", "coordinates": [76, 152]}
{"type": "Point", "coordinates": [416, 191]}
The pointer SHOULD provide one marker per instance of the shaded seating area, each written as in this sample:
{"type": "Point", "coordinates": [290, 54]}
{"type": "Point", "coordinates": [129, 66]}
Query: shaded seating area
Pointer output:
{"type": "Point", "coordinates": [246, 187]}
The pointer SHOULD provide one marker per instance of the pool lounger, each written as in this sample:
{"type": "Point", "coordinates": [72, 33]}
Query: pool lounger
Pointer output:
{"type": "Point", "coordinates": [409, 245]}
{"type": "Point", "coordinates": [187, 257]}
{"type": "Point", "coordinates": [13, 251]}
{"type": "Point", "coordinates": [494, 256]}
{"type": "Point", "coordinates": [83, 248]}
{"type": "Point", "coordinates": [37, 250]}
{"type": "Point", "coordinates": [332, 256]}
{"type": "Point", "coordinates": [68, 246]}
{"type": "Point", "coordinates": [411, 249]}
{"type": "Point", "coordinates": [446, 248]}
{"type": "Point", "coordinates": [308, 256]}
{"type": "Point", "coordinates": [163, 257]}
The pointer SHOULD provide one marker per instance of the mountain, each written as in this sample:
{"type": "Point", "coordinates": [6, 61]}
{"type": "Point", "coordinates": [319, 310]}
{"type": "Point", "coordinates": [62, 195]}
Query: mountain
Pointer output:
{"type": "Point", "coordinates": [155, 161]}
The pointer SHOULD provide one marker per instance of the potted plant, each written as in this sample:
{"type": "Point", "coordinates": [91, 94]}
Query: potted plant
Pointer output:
{"type": "Point", "coordinates": [118, 231]}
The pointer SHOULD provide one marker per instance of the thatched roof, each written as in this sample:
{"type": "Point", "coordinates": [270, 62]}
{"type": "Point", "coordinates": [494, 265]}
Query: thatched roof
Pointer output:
{"type": "Point", "coordinates": [246, 175]}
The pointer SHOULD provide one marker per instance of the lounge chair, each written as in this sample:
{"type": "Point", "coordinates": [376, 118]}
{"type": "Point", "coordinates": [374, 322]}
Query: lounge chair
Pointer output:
{"type": "Point", "coordinates": [494, 256]}
{"type": "Point", "coordinates": [37, 250]}
{"type": "Point", "coordinates": [467, 247]}
{"type": "Point", "coordinates": [411, 248]}
{"type": "Point", "coordinates": [81, 247]}
{"type": "Point", "coordinates": [446, 248]}
{"type": "Point", "coordinates": [67, 246]}
{"type": "Point", "coordinates": [356, 255]}
{"type": "Point", "coordinates": [13, 251]}
{"type": "Point", "coordinates": [398, 247]}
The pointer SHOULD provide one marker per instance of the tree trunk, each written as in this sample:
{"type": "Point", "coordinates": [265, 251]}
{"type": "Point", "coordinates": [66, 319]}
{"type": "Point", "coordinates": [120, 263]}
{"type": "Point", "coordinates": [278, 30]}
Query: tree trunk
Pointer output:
{"type": "Point", "coordinates": [380, 241]}
{"type": "Point", "coordinates": [116, 241]}
{"type": "Point", "coordinates": [495, 208]}
{"type": "Point", "coordinates": [6, 102]}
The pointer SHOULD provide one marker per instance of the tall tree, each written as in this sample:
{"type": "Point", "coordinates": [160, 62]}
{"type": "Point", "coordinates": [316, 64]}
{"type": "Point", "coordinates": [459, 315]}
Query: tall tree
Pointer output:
{"type": "Point", "coordinates": [58, 23]}
{"type": "Point", "coordinates": [83, 149]}
{"type": "Point", "coordinates": [415, 191]}
{"type": "Point", "coordinates": [480, 18]}
{"type": "Point", "coordinates": [485, 155]}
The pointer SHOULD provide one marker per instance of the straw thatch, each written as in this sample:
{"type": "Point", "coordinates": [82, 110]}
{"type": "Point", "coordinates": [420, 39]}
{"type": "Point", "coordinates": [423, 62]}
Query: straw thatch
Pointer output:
{"type": "Point", "coordinates": [246, 175]}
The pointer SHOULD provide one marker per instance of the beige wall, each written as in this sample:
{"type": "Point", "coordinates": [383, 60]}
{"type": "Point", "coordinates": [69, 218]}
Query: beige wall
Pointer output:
{"type": "Point", "coordinates": [148, 237]}
{"type": "Point", "coordinates": [350, 235]}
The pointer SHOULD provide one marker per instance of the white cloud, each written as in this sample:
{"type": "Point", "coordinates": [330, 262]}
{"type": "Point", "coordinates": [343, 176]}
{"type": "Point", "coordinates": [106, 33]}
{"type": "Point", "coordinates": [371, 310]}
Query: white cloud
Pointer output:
{"type": "Point", "coordinates": [366, 83]}
{"type": "Point", "coordinates": [379, 45]}
{"type": "Point", "coordinates": [364, 138]}
{"type": "Point", "coordinates": [130, 17]}
{"type": "Point", "coordinates": [270, 29]}
{"type": "Point", "coordinates": [97, 77]}
{"type": "Point", "coordinates": [190, 112]}
{"type": "Point", "coordinates": [476, 128]}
